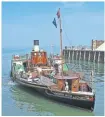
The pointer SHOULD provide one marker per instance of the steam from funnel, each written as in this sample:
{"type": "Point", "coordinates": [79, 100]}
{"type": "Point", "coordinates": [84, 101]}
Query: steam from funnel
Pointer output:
{"type": "Point", "coordinates": [36, 45]}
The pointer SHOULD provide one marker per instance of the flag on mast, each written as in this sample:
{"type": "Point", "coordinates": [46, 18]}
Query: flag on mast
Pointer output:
{"type": "Point", "coordinates": [58, 13]}
{"type": "Point", "coordinates": [54, 22]}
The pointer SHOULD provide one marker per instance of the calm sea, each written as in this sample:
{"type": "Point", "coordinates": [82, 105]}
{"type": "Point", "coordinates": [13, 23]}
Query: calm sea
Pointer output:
{"type": "Point", "coordinates": [22, 101]}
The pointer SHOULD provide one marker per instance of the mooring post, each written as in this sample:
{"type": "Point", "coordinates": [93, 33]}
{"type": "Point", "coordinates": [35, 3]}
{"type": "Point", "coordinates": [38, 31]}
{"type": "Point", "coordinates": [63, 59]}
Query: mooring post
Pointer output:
{"type": "Point", "coordinates": [80, 55]}
{"type": "Point", "coordinates": [98, 66]}
{"type": "Point", "coordinates": [73, 55]}
{"type": "Point", "coordinates": [69, 54]}
{"type": "Point", "coordinates": [84, 55]}
{"type": "Point", "coordinates": [76, 55]}
{"type": "Point", "coordinates": [89, 56]}
{"type": "Point", "coordinates": [98, 56]}
{"type": "Point", "coordinates": [92, 80]}
{"type": "Point", "coordinates": [94, 55]}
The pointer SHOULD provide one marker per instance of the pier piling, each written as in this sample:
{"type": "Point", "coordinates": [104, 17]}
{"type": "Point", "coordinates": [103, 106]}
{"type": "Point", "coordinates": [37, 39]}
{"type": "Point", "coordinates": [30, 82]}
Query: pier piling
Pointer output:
{"type": "Point", "coordinates": [84, 55]}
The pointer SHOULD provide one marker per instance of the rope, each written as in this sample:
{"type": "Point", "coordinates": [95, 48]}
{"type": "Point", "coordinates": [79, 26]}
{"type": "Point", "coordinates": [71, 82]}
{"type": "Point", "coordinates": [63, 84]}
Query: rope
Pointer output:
{"type": "Point", "coordinates": [65, 31]}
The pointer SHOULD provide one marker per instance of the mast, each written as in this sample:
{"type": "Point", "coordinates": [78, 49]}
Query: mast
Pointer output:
{"type": "Point", "coordinates": [60, 35]}
{"type": "Point", "coordinates": [61, 51]}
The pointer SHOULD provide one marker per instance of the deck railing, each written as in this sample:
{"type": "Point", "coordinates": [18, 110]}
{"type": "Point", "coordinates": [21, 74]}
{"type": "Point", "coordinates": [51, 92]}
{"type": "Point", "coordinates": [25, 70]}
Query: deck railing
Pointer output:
{"type": "Point", "coordinates": [21, 57]}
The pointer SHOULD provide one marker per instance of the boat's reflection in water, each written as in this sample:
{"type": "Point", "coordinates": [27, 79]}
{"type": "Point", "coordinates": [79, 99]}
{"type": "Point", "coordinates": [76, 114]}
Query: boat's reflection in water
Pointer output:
{"type": "Point", "coordinates": [28, 99]}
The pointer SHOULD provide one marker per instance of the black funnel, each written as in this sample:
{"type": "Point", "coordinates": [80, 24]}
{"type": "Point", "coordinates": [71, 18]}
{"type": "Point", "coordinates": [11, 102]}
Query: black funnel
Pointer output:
{"type": "Point", "coordinates": [36, 42]}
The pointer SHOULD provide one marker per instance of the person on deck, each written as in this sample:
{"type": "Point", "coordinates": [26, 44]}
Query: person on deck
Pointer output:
{"type": "Point", "coordinates": [56, 68]}
{"type": "Point", "coordinates": [39, 69]}
{"type": "Point", "coordinates": [66, 86]}
{"type": "Point", "coordinates": [60, 69]}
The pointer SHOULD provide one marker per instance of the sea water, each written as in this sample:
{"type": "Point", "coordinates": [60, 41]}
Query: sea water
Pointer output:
{"type": "Point", "coordinates": [21, 101]}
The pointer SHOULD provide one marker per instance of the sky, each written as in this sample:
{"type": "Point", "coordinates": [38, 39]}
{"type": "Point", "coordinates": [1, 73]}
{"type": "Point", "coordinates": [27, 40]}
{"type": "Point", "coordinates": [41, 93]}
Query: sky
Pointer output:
{"type": "Point", "coordinates": [23, 22]}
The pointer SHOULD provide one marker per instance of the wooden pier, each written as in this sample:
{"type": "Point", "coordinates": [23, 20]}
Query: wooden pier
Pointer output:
{"type": "Point", "coordinates": [84, 55]}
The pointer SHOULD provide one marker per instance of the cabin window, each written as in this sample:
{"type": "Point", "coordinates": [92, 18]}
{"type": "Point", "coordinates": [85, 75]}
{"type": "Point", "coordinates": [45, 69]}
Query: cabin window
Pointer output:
{"type": "Point", "coordinates": [43, 54]}
{"type": "Point", "coordinates": [83, 87]}
{"type": "Point", "coordinates": [69, 83]}
{"type": "Point", "coordinates": [39, 54]}
{"type": "Point", "coordinates": [14, 64]}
